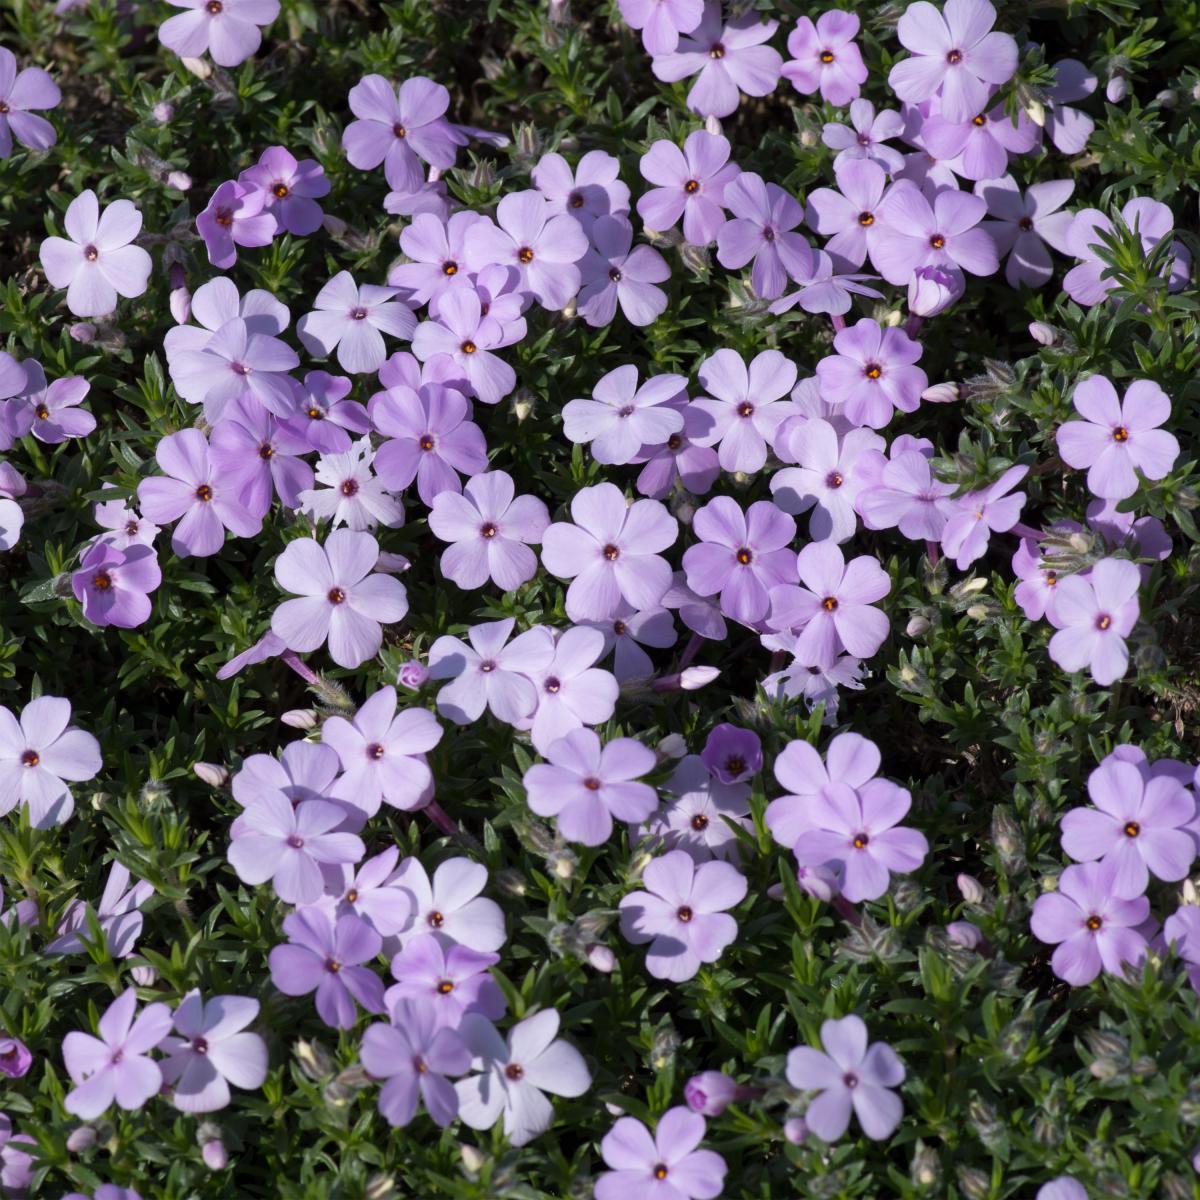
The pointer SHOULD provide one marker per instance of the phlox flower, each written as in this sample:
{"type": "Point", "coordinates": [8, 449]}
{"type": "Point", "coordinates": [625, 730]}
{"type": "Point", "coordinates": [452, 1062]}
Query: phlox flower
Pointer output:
{"type": "Point", "coordinates": [663, 1166]}
{"type": "Point", "coordinates": [261, 455]}
{"type": "Point", "coordinates": [488, 673]}
{"type": "Point", "coordinates": [446, 980]}
{"type": "Point", "coordinates": [324, 418]}
{"type": "Point", "coordinates": [438, 254]}
{"type": "Point", "coordinates": [764, 216]}
{"type": "Point", "coordinates": [15, 1058]}
{"type": "Point", "coordinates": [689, 183]}
{"type": "Point", "coordinates": [450, 905]}
{"type": "Point", "coordinates": [978, 514]}
{"type": "Point", "coordinates": [1069, 128]}
{"type": "Point", "coordinates": [1093, 617]}
{"type": "Point", "coordinates": [944, 233]}
{"type": "Point", "coordinates": [612, 274]}
{"type": "Point", "coordinates": [22, 92]}
{"type": "Point", "coordinates": [1181, 931]}
{"type": "Point", "coordinates": [627, 631]}
{"type": "Point", "coordinates": [1090, 925]}
{"type": "Point", "coordinates": [370, 892]}
{"type": "Point", "coordinates": [118, 913]}
{"type": "Point", "coordinates": [1137, 825]}
{"type": "Point", "coordinates": [847, 216]}
{"type": "Point", "coordinates": [682, 457]}
{"type": "Point", "coordinates": [382, 753]}
{"type": "Point", "coordinates": [290, 189]}
{"type": "Point", "coordinates": [873, 373]}
{"type": "Point", "coordinates": [1022, 225]}
{"type": "Point", "coordinates": [113, 584]}
{"type": "Point", "coordinates": [740, 555]}
{"type": "Point", "coordinates": [908, 497]}
{"type": "Point", "coordinates": [490, 529]}
{"type": "Point", "coordinates": [728, 58]}
{"type": "Point", "coordinates": [825, 57]}
{"type": "Point", "coordinates": [979, 146]}
{"type": "Point", "coordinates": [732, 754]}
{"type": "Point", "coordinates": [682, 913]}
{"type": "Point", "coordinates": [236, 216]}
{"type": "Point", "coordinates": [415, 1055]}
{"type": "Point", "coordinates": [865, 136]}
{"type": "Point", "coordinates": [351, 495]}
{"type": "Point", "coordinates": [304, 771]}
{"type": "Point", "coordinates": [212, 1051]}
{"type": "Point", "coordinates": [849, 1075]}
{"type": "Point", "coordinates": [661, 21]}
{"type": "Point", "coordinates": [116, 1065]}
{"type": "Point", "coordinates": [513, 1074]}
{"type": "Point", "coordinates": [97, 261]}
{"type": "Point", "coordinates": [1064, 1187]}
{"type": "Point", "coordinates": [227, 29]}
{"type": "Point", "coordinates": [621, 417]}
{"type": "Point", "coordinates": [39, 755]}
{"type": "Point", "coordinates": [593, 190]}
{"type": "Point", "coordinates": [584, 785]}
{"type": "Point", "coordinates": [825, 290]}
{"type": "Point", "coordinates": [192, 488]}
{"type": "Point", "coordinates": [1038, 575]}
{"type": "Point", "coordinates": [1117, 436]}
{"type": "Point", "coordinates": [813, 685]}
{"type": "Point", "coordinates": [610, 552]}
{"type": "Point", "coordinates": [571, 690]}
{"type": "Point", "coordinates": [326, 957]}
{"type": "Point", "coordinates": [352, 319]}
{"type": "Point", "coordinates": [700, 614]}
{"type": "Point", "coordinates": [699, 813]}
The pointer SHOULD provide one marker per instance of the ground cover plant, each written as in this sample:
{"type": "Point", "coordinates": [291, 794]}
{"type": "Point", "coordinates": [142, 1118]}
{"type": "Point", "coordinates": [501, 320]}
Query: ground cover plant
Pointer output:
{"type": "Point", "coordinates": [599, 598]}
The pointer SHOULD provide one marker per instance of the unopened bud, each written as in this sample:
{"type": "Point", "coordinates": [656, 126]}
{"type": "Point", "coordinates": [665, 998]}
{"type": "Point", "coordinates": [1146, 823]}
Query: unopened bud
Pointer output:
{"type": "Point", "coordinates": [664, 1047]}
{"type": "Point", "coordinates": [144, 976]}
{"type": "Point", "coordinates": [1167, 98]}
{"type": "Point", "coordinates": [563, 863]}
{"type": "Point", "coordinates": [413, 675]}
{"type": "Point", "coordinates": [1043, 334]}
{"type": "Point", "coordinates": [941, 393]}
{"type": "Point", "coordinates": [181, 181]}
{"type": "Point", "coordinates": [523, 402]}
{"type": "Point", "coordinates": [970, 889]}
{"type": "Point", "coordinates": [392, 564]}
{"type": "Point", "coordinates": [710, 1093]}
{"type": "Point", "coordinates": [1117, 88]}
{"type": "Point", "coordinates": [180, 304]}
{"type": "Point", "coordinates": [211, 773]}
{"type": "Point", "coordinates": [83, 332]}
{"type": "Point", "coordinates": [334, 226]}
{"type": "Point", "coordinates": [963, 933]}
{"type": "Point", "coordinates": [300, 718]}
{"type": "Point", "coordinates": [473, 1159]}
{"type": "Point", "coordinates": [314, 1059]}
{"type": "Point", "coordinates": [917, 626]}
{"type": "Point", "coordinates": [511, 881]}
{"type": "Point", "coordinates": [380, 1187]}
{"type": "Point", "coordinates": [201, 68]}
{"type": "Point", "coordinates": [163, 112]}
{"type": "Point", "coordinates": [795, 1129]}
{"type": "Point", "coordinates": [529, 142]}
{"type": "Point", "coordinates": [214, 1155]}
{"type": "Point", "coordinates": [926, 1169]}
{"type": "Point", "coordinates": [712, 125]}
{"type": "Point", "coordinates": [694, 678]}
{"type": "Point", "coordinates": [601, 958]}
{"type": "Point", "coordinates": [695, 258]}
{"type": "Point", "coordinates": [672, 746]}
{"type": "Point", "coordinates": [808, 138]}
{"type": "Point", "coordinates": [81, 1139]}
{"type": "Point", "coordinates": [973, 1184]}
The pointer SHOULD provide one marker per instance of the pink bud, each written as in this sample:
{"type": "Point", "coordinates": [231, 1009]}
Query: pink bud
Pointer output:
{"type": "Point", "coordinates": [393, 564]}
{"type": "Point", "coordinates": [710, 1093]}
{"type": "Point", "coordinates": [1116, 89]}
{"type": "Point", "coordinates": [15, 1058]}
{"type": "Point", "coordinates": [940, 393]}
{"type": "Point", "coordinates": [211, 773]}
{"type": "Point", "coordinates": [795, 1130]}
{"type": "Point", "coordinates": [1043, 334]}
{"type": "Point", "coordinates": [181, 305]}
{"type": "Point", "coordinates": [963, 933]}
{"type": "Point", "coordinates": [213, 1153]}
{"type": "Point", "coordinates": [181, 181]}
{"type": "Point", "coordinates": [83, 331]}
{"type": "Point", "coordinates": [144, 976]}
{"type": "Point", "coordinates": [601, 958]}
{"type": "Point", "coordinates": [694, 678]}
{"type": "Point", "coordinates": [81, 1139]}
{"type": "Point", "coordinates": [300, 718]}
{"type": "Point", "coordinates": [933, 289]}
{"type": "Point", "coordinates": [163, 112]}
{"type": "Point", "coordinates": [413, 675]}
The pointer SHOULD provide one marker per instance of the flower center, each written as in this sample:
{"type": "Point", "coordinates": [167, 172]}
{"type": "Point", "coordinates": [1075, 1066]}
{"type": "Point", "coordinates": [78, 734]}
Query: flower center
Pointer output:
{"type": "Point", "coordinates": [280, 190]}
{"type": "Point", "coordinates": [445, 987]}
{"type": "Point", "coordinates": [745, 409]}
{"type": "Point", "coordinates": [674, 441]}
{"type": "Point", "coordinates": [1120, 434]}
{"type": "Point", "coordinates": [954, 57]}
{"type": "Point", "coordinates": [239, 368]}
{"type": "Point", "coordinates": [337, 596]}
{"type": "Point", "coordinates": [553, 685]}
{"type": "Point", "coordinates": [488, 531]}
{"type": "Point", "coordinates": [576, 200]}
{"type": "Point", "coordinates": [426, 442]}
{"type": "Point", "coordinates": [611, 552]}
{"type": "Point", "coordinates": [295, 841]}
{"type": "Point", "coordinates": [118, 1056]}
{"type": "Point", "coordinates": [592, 783]}
{"type": "Point", "coordinates": [660, 1171]}
{"type": "Point", "coordinates": [619, 628]}
{"type": "Point", "coordinates": [435, 919]}
{"type": "Point", "coordinates": [223, 216]}
{"type": "Point", "coordinates": [937, 241]}
{"type": "Point", "coordinates": [200, 1045]}
{"type": "Point", "coordinates": [375, 751]}
{"type": "Point", "coordinates": [30, 758]}
{"type": "Point", "coordinates": [102, 581]}
{"type": "Point", "coordinates": [979, 120]}
{"type": "Point", "coordinates": [352, 896]}
{"type": "Point", "coordinates": [450, 268]}
{"type": "Point", "coordinates": [131, 528]}
{"type": "Point", "coordinates": [1051, 578]}
{"type": "Point", "coordinates": [863, 139]}
{"type": "Point", "coordinates": [1094, 922]}
{"type": "Point", "coordinates": [691, 187]}
{"type": "Point", "coordinates": [91, 253]}
{"type": "Point", "coordinates": [829, 604]}
{"type": "Point", "coordinates": [699, 822]}
{"type": "Point", "coordinates": [514, 1071]}
{"type": "Point", "coordinates": [1025, 224]}
{"type": "Point", "coordinates": [419, 1065]}
{"type": "Point", "coordinates": [872, 370]}
{"type": "Point", "coordinates": [266, 451]}
{"type": "Point", "coordinates": [525, 254]}
{"type": "Point", "coordinates": [717, 51]}
{"type": "Point", "coordinates": [850, 1079]}
{"type": "Point", "coordinates": [1103, 621]}
{"type": "Point", "coordinates": [685, 914]}
{"type": "Point", "coordinates": [468, 347]}
{"type": "Point", "coordinates": [315, 414]}
{"type": "Point", "coordinates": [744, 556]}
{"type": "Point", "coordinates": [834, 479]}
{"type": "Point", "coordinates": [614, 274]}
{"type": "Point", "coordinates": [735, 764]}
{"type": "Point", "coordinates": [204, 493]}
{"type": "Point", "coordinates": [349, 487]}
{"type": "Point", "coordinates": [4, 107]}
{"type": "Point", "coordinates": [358, 314]}
{"type": "Point", "coordinates": [860, 841]}
{"type": "Point", "coordinates": [1132, 829]}
{"type": "Point", "coordinates": [866, 218]}
{"type": "Point", "coordinates": [332, 966]}
{"type": "Point", "coordinates": [827, 56]}
{"type": "Point", "coordinates": [487, 666]}
{"type": "Point", "coordinates": [399, 130]}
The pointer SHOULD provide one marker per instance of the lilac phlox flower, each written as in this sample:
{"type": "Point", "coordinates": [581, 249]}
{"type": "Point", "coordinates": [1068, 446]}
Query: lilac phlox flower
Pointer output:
{"type": "Point", "coordinates": [502, 299]}
{"type": "Point", "coordinates": [432, 197]}
{"type": "Point", "coordinates": [288, 845]}
{"type": "Point", "coordinates": [326, 957]}
{"type": "Point", "coordinates": [16, 1163]}
{"type": "Point", "coordinates": [980, 514]}
{"type": "Point", "coordinates": [304, 771]}
{"type": "Point", "coordinates": [401, 128]}
{"type": "Point", "coordinates": [513, 1075]}
{"type": "Point", "coordinates": [593, 190]}
{"type": "Point", "coordinates": [847, 216]}
{"type": "Point", "coordinates": [979, 146]}
{"type": "Point", "coordinates": [1088, 283]}
{"type": "Point", "coordinates": [38, 755]}
{"type": "Point", "coordinates": [764, 216]}
{"type": "Point", "coordinates": [96, 262]}
{"type": "Point", "coordinates": [55, 415]}
{"type": "Point", "coordinates": [701, 614]}
{"type": "Point", "coordinates": [1137, 825]}
{"type": "Point", "coordinates": [849, 1075]}
{"type": "Point", "coordinates": [612, 274]}
{"type": "Point", "coordinates": [370, 892]}
{"type": "Point", "coordinates": [118, 913]}
{"type": "Point", "coordinates": [352, 319]}
{"type": "Point", "coordinates": [1093, 617]}
{"type": "Point", "coordinates": [126, 527]}
{"type": "Point", "coordinates": [813, 685]}
{"type": "Point", "coordinates": [610, 552]}
{"type": "Point", "coordinates": [542, 244]}
{"type": "Point", "coordinates": [192, 488]}
{"type": "Point", "coordinates": [489, 529]}
{"type": "Point", "coordinates": [1117, 436]}
{"type": "Point", "coordinates": [865, 136]}
{"type": "Point", "coordinates": [825, 57]}
{"type": "Point", "coordinates": [728, 58]}
{"type": "Point", "coordinates": [829, 477]}
{"type": "Point", "coordinates": [682, 913]}
{"type": "Point", "coordinates": [340, 599]}
{"type": "Point", "coordinates": [290, 189]}
{"type": "Point", "coordinates": [437, 253]}
{"type": "Point", "coordinates": [689, 183]}
{"type": "Point", "coordinates": [700, 814]}
{"type": "Point", "coordinates": [446, 979]}
{"type": "Point", "coordinates": [116, 1065]}
{"type": "Point", "coordinates": [464, 336]}
{"type": "Point", "coordinates": [741, 555]}
{"type": "Point", "coordinates": [350, 494]}
{"type": "Point", "coordinates": [262, 454]}
{"type": "Point", "coordinates": [954, 55]}
{"type": "Point", "coordinates": [933, 289]}
{"type": "Point", "coordinates": [944, 233]}
{"type": "Point", "coordinates": [236, 216]}
{"type": "Point", "coordinates": [113, 584]}
{"type": "Point", "coordinates": [23, 91]}
{"type": "Point", "coordinates": [1039, 575]}
{"type": "Point", "coordinates": [1090, 925]}
{"type": "Point", "coordinates": [585, 785]}
{"type": "Point", "coordinates": [732, 754]}
{"type": "Point", "coordinates": [380, 751]}
{"type": "Point", "coordinates": [212, 1051]}
{"type": "Point", "coordinates": [1145, 537]}
{"type": "Point", "coordinates": [1062, 1188]}
{"type": "Point", "coordinates": [665, 1166]}
{"type": "Point", "coordinates": [489, 673]}
{"type": "Point", "coordinates": [825, 290]}
{"type": "Point", "coordinates": [621, 417]}
{"type": "Point", "coordinates": [661, 21]}
{"type": "Point", "coordinates": [1181, 931]}
{"type": "Point", "coordinates": [106, 1191]}
{"type": "Point", "coordinates": [415, 1054]}
{"type": "Point", "coordinates": [571, 690]}
{"type": "Point", "coordinates": [711, 1092]}
{"type": "Point", "coordinates": [834, 609]}
{"type": "Point", "coordinates": [909, 497]}
{"type": "Point", "coordinates": [1068, 128]}
{"type": "Point", "coordinates": [682, 457]}
{"type": "Point", "coordinates": [627, 631]}
{"type": "Point", "coordinates": [228, 29]}
{"type": "Point", "coordinates": [450, 905]}
{"type": "Point", "coordinates": [324, 418]}
{"type": "Point", "coordinates": [1023, 224]}
{"type": "Point", "coordinates": [873, 373]}
{"type": "Point", "coordinates": [746, 405]}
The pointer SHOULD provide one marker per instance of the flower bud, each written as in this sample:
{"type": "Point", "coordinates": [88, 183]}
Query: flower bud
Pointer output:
{"type": "Point", "coordinates": [963, 933]}
{"type": "Point", "coordinates": [932, 289]}
{"type": "Point", "coordinates": [1105, 1044]}
{"type": "Point", "coordinates": [197, 66]}
{"type": "Point", "coordinates": [1144, 1067]}
{"type": "Point", "coordinates": [1043, 334]}
{"type": "Point", "coordinates": [916, 626]}
{"type": "Point", "coordinates": [392, 564]}
{"type": "Point", "coordinates": [808, 138]}
{"type": "Point", "coordinates": [380, 1187]}
{"type": "Point", "coordinates": [710, 1093]}
{"type": "Point", "coordinates": [906, 895]}
{"type": "Point", "coordinates": [795, 1129]}
{"type": "Point", "coordinates": [1117, 88]}
{"type": "Point", "coordinates": [694, 678]}
{"type": "Point", "coordinates": [529, 142]}
{"type": "Point", "coordinates": [1167, 98]}
{"type": "Point", "coordinates": [300, 718]}
{"type": "Point", "coordinates": [83, 332]}
{"type": "Point", "coordinates": [563, 863]}
{"type": "Point", "coordinates": [672, 746]}
{"type": "Point", "coordinates": [15, 1058]}
{"type": "Point", "coordinates": [314, 1059]}
{"type": "Point", "coordinates": [211, 773]}
{"type": "Point", "coordinates": [601, 958]}
{"type": "Point", "coordinates": [926, 1169]}
{"type": "Point", "coordinates": [1006, 837]}
{"type": "Point", "coordinates": [663, 1048]}
{"type": "Point", "coordinates": [163, 112]}
{"type": "Point", "coordinates": [941, 393]}
{"type": "Point", "coordinates": [413, 675]}
{"type": "Point", "coordinates": [180, 304]}
{"type": "Point", "coordinates": [181, 181]}
{"type": "Point", "coordinates": [473, 1159]}
{"type": "Point", "coordinates": [214, 1155]}
{"type": "Point", "coordinates": [970, 889]}
{"type": "Point", "coordinates": [510, 881]}
{"type": "Point", "coordinates": [82, 1138]}
{"type": "Point", "coordinates": [695, 258]}
{"type": "Point", "coordinates": [973, 1184]}
{"type": "Point", "coordinates": [144, 976]}
{"type": "Point", "coordinates": [712, 125]}
{"type": "Point", "coordinates": [334, 226]}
